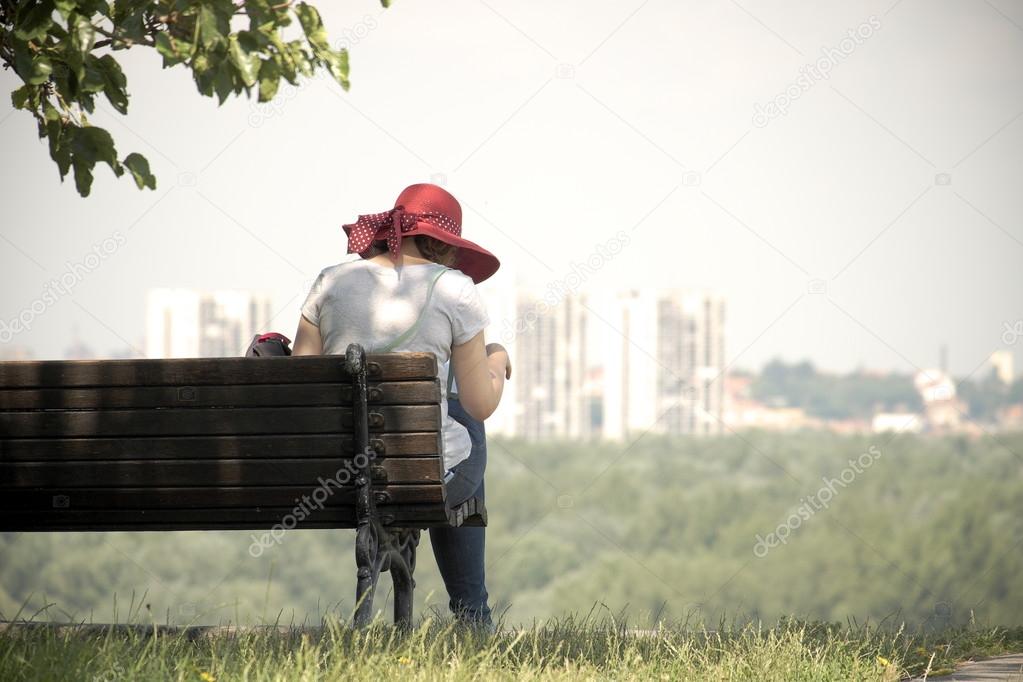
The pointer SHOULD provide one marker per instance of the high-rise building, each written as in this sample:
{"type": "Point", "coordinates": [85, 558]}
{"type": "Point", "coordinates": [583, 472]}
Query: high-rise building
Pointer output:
{"type": "Point", "coordinates": [691, 354]}
{"type": "Point", "coordinates": [663, 363]}
{"type": "Point", "coordinates": [185, 323]}
{"type": "Point", "coordinates": [550, 343]}
{"type": "Point", "coordinates": [628, 322]}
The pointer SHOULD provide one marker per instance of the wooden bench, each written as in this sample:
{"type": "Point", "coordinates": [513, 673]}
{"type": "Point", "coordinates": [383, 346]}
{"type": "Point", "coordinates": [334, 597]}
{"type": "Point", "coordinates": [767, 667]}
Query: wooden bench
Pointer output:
{"type": "Point", "coordinates": [263, 444]}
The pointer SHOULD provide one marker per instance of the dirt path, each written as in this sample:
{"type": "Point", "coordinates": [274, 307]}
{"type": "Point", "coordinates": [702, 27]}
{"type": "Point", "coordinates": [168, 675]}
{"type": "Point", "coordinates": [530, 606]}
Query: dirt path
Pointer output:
{"type": "Point", "coordinates": [1002, 668]}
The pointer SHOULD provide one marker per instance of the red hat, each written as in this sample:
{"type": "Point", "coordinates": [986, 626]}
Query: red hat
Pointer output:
{"type": "Point", "coordinates": [422, 209]}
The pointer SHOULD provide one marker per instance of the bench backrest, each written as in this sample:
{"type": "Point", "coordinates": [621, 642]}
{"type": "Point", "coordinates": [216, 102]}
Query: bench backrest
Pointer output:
{"type": "Point", "coordinates": [215, 443]}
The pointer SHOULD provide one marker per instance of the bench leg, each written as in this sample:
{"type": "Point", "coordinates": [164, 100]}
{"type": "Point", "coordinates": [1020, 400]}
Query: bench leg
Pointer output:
{"type": "Point", "coordinates": [403, 566]}
{"type": "Point", "coordinates": [379, 549]}
{"type": "Point", "coordinates": [367, 560]}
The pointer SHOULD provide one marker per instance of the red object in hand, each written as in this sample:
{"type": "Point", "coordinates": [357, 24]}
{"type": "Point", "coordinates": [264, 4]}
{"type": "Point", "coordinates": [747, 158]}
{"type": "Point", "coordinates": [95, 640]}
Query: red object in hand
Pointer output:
{"type": "Point", "coordinates": [273, 336]}
{"type": "Point", "coordinates": [268, 345]}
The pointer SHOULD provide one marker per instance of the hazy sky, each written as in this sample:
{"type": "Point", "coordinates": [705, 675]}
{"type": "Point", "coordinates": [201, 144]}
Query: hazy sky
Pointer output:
{"type": "Point", "coordinates": [895, 180]}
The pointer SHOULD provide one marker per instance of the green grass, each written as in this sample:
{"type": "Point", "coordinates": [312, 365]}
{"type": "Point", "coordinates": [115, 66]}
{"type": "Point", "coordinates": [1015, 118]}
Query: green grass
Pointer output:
{"type": "Point", "coordinates": [557, 649]}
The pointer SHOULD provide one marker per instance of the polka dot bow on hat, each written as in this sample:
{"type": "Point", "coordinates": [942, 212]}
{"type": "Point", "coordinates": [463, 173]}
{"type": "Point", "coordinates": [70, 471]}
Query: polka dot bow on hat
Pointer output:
{"type": "Point", "coordinates": [422, 209]}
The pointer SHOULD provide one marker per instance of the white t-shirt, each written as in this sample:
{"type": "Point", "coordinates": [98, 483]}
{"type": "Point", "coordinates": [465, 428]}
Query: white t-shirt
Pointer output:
{"type": "Point", "coordinates": [358, 301]}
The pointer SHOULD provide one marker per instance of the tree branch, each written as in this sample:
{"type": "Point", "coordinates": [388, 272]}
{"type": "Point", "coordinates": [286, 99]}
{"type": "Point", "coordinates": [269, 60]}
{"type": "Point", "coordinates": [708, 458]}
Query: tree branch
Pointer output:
{"type": "Point", "coordinates": [116, 41]}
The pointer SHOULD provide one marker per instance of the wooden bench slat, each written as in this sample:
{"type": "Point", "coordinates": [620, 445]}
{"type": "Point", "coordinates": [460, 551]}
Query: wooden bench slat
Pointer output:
{"type": "Point", "coordinates": [213, 421]}
{"type": "Point", "coordinates": [263, 518]}
{"type": "Point", "coordinates": [198, 371]}
{"type": "Point", "coordinates": [233, 444]}
{"type": "Point", "coordinates": [197, 472]}
{"type": "Point", "coordinates": [44, 499]}
{"type": "Point", "coordinates": [255, 395]}
{"type": "Point", "coordinates": [411, 444]}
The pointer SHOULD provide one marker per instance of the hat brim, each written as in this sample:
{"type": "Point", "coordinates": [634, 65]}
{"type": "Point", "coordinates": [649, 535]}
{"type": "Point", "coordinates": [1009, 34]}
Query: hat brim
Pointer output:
{"type": "Point", "coordinates": [471, 258]}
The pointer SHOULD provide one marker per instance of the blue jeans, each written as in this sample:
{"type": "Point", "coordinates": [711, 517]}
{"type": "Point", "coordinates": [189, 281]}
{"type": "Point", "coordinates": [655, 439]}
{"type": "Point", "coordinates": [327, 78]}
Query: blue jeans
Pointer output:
{"type": "Point", "coordinates": [460, 551]}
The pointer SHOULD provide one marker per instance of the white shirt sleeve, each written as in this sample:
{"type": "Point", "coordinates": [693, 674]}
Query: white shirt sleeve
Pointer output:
{"type": "Point", "coordinates": [470, 316]}
{"type": "Point", "coordinates": [311, 307]}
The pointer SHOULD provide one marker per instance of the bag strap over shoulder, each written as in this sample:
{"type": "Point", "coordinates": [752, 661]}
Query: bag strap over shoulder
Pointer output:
{"type": "Point", "coordinates": [410, 333]}
{"type": "Point", "coordinates": [451, 381]}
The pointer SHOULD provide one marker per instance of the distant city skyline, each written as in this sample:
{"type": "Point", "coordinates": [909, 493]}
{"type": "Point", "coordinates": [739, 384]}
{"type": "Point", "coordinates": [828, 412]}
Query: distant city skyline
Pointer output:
{"type": "Point", "coordinates": [500, 300]}
{"type": "Point", "coordinates": [862, 217]}
{"type": "Point", "coordinates": [185, 323]}
{"type": "Point", "coordinates": [610, 365]}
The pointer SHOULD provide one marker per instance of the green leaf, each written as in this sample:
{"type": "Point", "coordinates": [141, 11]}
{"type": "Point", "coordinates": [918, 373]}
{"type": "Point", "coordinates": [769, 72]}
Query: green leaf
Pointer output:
{"type": "Point", "coordinates": [139, 167]}
{"type": "Point", "coordinates": [83, 176]}
{"type": "Point", "coordinates": [165, 46]}
{"type": "Point", "coordinates": [253, 41]}
{"type": "Point", "coordinates": [174, 51]}
{"type": "Point", "coordinates": [87, 101]}
{"type": "Point", "coordinates": [212, 27]}
{"type": "Point", "coordinates": [336, 61]}
{"type": "Point", "coordinates": [65, 7]}
{"type": "Point", "coordinates": [312, 25]}
{"type": "Point", "coordinates": [83, 35]}
{"type": "Point", "coordinates": [90, 145]}
{"type": "Point", "coordinates": [35, 23]}
{"type": "Point", "coordinates": [301, 58]}
{"type": "Point", "coordinates": [50, 112]}
{"type": "Point", "coordinates": [25, 97]}
{"type": "Point", "coordinates": [246, 62]}
{"type": "Point", "coordinates": [39, 71]}
{"type": "Point", "coordinates": [33, 68]}
{"type": "Point", "coordinates": [65, 77]}
{"type": "Point", "coordinates": [90, 7]}
{"type": "Point", "coordinates": [59, 152]}
{"type": "Point", "coordinates": [131, 28]}
{"type": "Point", "coordinates": [285, 64]}
{"type": "Point", "coordinates": [269, 79]}
{"type": "Point", "coordinates": [112, 70]}
{"type": "Point", "coordinates": [115, 83]}
{"type": "Point", "coordinates": [337, 64]}
{"type": "Point", "coordinates": [202, 74]}
{"type": "Point", "coordinates": [204, 83]}
{"type": "Point", "coordinates": [223, 83]}
{"type": "Point", "coordinates": [259, 12]}
{"type": "Point", "coordinates": [94, 80]}
{"type": "Point", "coordinates": [74, 64]}
{"type": "Point", "coordinates": [128, 16]}
{"type": "Point", "coordinates": [93, 144]}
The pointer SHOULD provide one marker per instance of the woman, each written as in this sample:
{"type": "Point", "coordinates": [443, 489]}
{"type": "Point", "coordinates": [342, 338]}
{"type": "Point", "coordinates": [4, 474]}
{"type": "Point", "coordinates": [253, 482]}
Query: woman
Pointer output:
{"type": "Point", "coordinates": [419, 294]}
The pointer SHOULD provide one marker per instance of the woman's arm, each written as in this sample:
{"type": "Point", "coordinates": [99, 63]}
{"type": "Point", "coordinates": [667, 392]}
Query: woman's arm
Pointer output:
{"type": "Point", "coordinates": [307, 339]}
{"type": "Point", "coordinates": [480, 376]}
